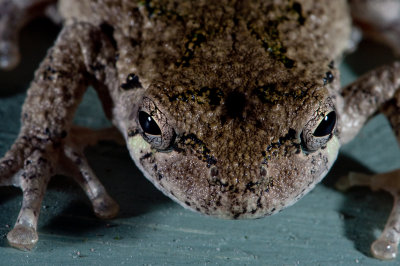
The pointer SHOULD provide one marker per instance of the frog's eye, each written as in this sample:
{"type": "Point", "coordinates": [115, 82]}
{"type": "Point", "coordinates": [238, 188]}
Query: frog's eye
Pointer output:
{"type": "Point", "coordinates": [148, 124]}
{"type": "Point", "coordinates": [326, 126]}
{"type": "Point", "coordinates": [318, 132]}
{"type": "Point", "coordinates": [154, 126]}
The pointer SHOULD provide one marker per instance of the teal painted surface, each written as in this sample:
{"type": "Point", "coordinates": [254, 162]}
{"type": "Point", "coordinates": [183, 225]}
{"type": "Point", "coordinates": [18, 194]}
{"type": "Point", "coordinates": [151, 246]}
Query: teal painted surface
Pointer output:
{"type": "Point", "coordinates": [326, 227]}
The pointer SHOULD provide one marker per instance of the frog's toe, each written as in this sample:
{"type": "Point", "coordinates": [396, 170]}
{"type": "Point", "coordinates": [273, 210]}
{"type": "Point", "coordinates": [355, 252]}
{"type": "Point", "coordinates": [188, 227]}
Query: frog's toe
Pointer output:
{"type": "Point", "coordinates": [384, 250]}
{"type": "Point", "coordinates": [78, 167]}
{"type": "Point", "coordinates": [353, 179]}
{"type": "Point", "coordinates": [105, 207]}
{"type": "Point", "coordinates": [7, 170]}
{"type": "Point", "coordinates": [22, 237]}
{"type": "Point", "coordinates": [343, 183]}
{"type": "Point", "coordinates": [385, 247]}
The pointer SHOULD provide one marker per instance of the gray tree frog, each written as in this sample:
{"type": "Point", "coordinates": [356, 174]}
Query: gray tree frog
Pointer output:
{"type": "Point", "coordinates": [232, 108]}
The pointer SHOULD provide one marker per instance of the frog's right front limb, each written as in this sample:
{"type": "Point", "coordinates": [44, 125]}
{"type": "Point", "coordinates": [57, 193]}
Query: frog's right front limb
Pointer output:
{"type": "Point", "coordinates": [44, 145]}
{"type": "Point", "coordinates": [378, 90]}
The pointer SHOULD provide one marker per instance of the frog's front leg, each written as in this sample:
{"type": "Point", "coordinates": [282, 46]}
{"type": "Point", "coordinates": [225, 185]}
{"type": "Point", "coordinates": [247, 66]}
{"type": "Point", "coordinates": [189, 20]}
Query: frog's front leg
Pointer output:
{"type": "Point", "coordinates": [378, 90]}
{"type": "Point", "coordinates": [74, 164]}
{"type": "Point", "coordinates": [33, 181]}
{"type": "Point", "coordinates": [366, 96]}
{"type": "Point", "coordinates": [81, 55]}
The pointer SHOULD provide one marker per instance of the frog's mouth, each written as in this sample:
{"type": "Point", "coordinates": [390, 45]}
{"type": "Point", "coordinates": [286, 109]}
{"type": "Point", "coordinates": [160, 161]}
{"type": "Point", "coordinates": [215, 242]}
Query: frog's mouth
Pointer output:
{"type": "Point", "coordinates": [199, 188]}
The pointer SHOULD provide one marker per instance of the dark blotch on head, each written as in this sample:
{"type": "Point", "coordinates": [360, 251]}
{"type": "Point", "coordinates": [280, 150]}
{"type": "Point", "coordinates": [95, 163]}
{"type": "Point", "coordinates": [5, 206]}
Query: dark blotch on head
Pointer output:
{"type": "Point", "coordinates": [132, 82]}
{"type": "Point", "coordinates": [146, 156]}
{"type": "Point", "coordinates": [328, 77]}
{"type": "Point", "coordinates": [214, 171]}
{"type": "Point", "coordinates": [63, 134]}
{"type": "Point", "coordinates": [235, 103]}
{"type": "Point", "coordinates": [108, 30]}
{"type": "Point", "coordinates": [297, 7]}
{"type": "Point", "coordinates": [199, 146]}
{"type": "Point", "coordinates": [263, 171]}
{"type": "Point", "coordinates": [132, 132]}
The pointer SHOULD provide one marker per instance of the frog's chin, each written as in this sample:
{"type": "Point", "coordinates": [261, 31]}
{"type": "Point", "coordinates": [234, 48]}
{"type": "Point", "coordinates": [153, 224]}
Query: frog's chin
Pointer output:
{"type": "Point", "coordinates": [140, 149]}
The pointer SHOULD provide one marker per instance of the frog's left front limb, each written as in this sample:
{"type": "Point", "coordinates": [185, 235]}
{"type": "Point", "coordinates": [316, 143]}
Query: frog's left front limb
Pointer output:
{"type": "Point", "coordinates": [82, 55]}
{"type": "Point", "coordinates": [378, 90]}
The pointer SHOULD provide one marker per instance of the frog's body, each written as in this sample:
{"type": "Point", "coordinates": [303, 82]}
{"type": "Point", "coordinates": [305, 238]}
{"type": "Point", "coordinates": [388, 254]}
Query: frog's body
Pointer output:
{"type": "Point", "coordinates": [231, 108]}
{"type": "Point", "coordinates": [226, 73]}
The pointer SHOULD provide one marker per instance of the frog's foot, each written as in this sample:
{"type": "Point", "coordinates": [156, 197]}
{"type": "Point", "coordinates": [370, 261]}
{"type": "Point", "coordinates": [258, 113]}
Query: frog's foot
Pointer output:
{"type": "Point", "coordinates": [105, 207]}
{"type": "Point", "coordinates": [31, 162]}
{"type": "Point", "coordinates": [75, 164]}
{"type": "Point", "coordinates": [22, 237]}
{"type": "Point", "coordinates": [32, 179]}
{"type": "Point", "coordinates": [385, 247]}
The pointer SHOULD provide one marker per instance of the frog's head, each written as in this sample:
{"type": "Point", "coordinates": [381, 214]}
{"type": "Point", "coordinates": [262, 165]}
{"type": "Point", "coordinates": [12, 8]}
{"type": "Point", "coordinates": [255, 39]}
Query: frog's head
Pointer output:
{"type": "Point", "coordinates": [234, 152]}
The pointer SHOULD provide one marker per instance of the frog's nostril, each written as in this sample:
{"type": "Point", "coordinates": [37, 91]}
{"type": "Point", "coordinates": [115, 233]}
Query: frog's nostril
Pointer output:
{"type": "Point", "coordinates": [214, 171]}
{"type": "Point", "coordinates": [263, 170]}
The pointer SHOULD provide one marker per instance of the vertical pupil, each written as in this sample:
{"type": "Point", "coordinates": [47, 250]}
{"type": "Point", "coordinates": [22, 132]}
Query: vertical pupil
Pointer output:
{"type": "Point", "coordinates": [148, 124]}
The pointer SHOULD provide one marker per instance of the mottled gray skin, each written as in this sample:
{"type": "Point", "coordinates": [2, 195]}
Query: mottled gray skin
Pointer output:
{"type": "Point", "coordinates": [236, 90]}
{"type": "Point", "coordinates": [236, 82]}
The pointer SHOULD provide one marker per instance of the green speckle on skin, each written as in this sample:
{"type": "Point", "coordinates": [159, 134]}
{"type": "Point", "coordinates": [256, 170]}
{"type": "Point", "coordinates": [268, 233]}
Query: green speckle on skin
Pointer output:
{"type": "Point", "coordinates": [272, 94]}
{"type": "Point", "coordinates": [273, 45]}
{"type": "Point", "coordinates": [155, 8]}
{"type": "Point", "coordinates": [194, 40]}
{"type": "Point", "coordinates": [270, 35]}
{"type": "Point", "coordinates": [205, 95]}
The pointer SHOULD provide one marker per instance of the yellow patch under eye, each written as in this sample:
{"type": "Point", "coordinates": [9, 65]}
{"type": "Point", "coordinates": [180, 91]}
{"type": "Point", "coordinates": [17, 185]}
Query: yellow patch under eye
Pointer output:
{"type": "Point", "coordinates": [137, 146]}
